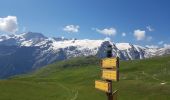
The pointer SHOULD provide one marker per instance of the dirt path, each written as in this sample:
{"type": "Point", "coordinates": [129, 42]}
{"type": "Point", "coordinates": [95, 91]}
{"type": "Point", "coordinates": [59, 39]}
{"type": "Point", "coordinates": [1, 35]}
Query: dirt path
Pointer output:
{"type": "Point", "coordinates": [73, 94]}
{"type": "Point", "coordinates": [153, 77]}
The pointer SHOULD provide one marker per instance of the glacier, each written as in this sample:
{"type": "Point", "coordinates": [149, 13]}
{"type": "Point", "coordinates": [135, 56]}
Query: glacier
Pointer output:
{"type": "Point", "coordinates": [21, 53]}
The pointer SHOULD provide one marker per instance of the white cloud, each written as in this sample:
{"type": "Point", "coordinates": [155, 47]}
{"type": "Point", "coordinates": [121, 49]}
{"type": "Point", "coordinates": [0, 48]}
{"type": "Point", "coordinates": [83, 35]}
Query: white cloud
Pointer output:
{"type": "Point", "coordinates": [107, 31]}
{"type": "Point", "coordinates": [107, 39]}
{"type": "Point", "coordinates": [71, 28]}
{"type": "Point", "coordinates": [139, 34]}
{"type": "Point", "coordinates": [9, 24]}
{"type": "Point", "coordinates": [123, 34]}
{"type": "Point", "coordinates": [166, 45]}
{"type": "Point", "coordinates": [152, 46]}
{"type": "Point", "coordinates": [160, 42]}
{"type": "Point", "coordinates": [150, 28]}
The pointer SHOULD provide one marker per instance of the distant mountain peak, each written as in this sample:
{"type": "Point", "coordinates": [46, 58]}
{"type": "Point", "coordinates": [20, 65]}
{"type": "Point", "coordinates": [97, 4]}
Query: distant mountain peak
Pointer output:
{"type": "Point", "coordinates": [35, 50]}
{"type": "Point", "coordinates": [76, 47]}
{"type": "Point", "coordinates": [123, 46]}
{"type": "Point", "coordinates": [33, 35]}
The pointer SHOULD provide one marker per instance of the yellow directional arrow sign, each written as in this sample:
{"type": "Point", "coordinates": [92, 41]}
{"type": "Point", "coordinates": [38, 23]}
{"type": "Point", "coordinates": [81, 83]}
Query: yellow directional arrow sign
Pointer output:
{"type": "Point", "coordinates": [110, 75]}
{"type": "Point", "coordinates": [109, 63]}
{"type": "Point", "coordinates": [102, 85]}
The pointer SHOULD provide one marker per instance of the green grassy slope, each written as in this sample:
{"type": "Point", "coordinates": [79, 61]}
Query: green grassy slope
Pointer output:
{"type": "Point", "coordinates": [73, 79]}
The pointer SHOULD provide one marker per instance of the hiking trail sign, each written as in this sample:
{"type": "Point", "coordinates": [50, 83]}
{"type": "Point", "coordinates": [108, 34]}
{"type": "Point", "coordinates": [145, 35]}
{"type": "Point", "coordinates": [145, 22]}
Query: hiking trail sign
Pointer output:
{"type": "Point", "coordinates": [102, 85]}
{"type": "Point", "coordinates": [109, 73]}
{"type": "Point", "coordinates": [109, 63]}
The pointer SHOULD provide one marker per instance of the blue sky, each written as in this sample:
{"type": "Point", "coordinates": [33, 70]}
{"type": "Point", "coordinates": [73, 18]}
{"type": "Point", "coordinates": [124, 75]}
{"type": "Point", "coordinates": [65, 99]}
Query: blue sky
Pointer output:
{"type": "Point", "coordinates": [143, 22]}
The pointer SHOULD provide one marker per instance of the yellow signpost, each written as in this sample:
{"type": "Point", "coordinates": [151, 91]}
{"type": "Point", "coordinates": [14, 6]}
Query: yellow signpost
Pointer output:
{"type": "Point", "coordinates": [110, 72]}
{"type": "Point", "coordinates": [110, 75]}
{"type": "Point", "coordinates": [109, 63]}
{"type": "Point", "coordinates": [102, 85]}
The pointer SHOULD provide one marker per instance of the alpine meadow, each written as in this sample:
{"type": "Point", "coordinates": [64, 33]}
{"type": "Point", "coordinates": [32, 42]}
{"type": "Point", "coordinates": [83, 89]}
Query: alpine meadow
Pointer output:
{"type": "Point", "coordinates": [74, 80]}
{"type": "Point", "coordinates": [84, 49]}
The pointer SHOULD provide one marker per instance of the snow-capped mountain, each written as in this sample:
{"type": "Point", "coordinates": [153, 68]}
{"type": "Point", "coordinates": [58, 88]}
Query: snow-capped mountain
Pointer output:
{"type": "Point", "coordinates": [85, 47]}
{"type": "Point", "coordinates": [29, 51]}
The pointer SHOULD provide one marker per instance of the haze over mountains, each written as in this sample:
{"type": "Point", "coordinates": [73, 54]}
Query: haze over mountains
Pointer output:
{"type": "Point", "coordinates": [28, 51]}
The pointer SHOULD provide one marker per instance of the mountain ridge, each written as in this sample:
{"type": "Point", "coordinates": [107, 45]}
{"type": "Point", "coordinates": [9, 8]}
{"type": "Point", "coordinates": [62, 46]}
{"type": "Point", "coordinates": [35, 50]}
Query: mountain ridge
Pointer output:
{"type": "Point", "coordinates": [38, 50]}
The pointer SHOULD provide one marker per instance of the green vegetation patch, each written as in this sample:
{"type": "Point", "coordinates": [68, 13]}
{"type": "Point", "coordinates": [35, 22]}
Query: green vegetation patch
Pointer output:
{"type": "Point", "coordinates": [73, 79]}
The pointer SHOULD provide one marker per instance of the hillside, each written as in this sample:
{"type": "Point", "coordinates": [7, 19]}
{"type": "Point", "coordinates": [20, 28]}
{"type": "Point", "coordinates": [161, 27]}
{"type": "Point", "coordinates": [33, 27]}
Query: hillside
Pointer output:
{"type": "Point", "coordinates": [74, 80]}
{"type": "Point", "coordinates": [26, 52]}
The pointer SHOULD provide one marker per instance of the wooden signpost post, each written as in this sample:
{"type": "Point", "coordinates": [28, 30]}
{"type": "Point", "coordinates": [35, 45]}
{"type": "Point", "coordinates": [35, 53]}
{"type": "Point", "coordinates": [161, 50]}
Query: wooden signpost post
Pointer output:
{"type": "Point", "coordinates": [110, 72]}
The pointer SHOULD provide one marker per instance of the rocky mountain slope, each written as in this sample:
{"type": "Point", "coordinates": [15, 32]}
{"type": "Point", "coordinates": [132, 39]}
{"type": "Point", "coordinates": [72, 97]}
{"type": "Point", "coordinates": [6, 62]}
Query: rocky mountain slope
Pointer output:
{"type": "Point", "coordinates": [28, 51]}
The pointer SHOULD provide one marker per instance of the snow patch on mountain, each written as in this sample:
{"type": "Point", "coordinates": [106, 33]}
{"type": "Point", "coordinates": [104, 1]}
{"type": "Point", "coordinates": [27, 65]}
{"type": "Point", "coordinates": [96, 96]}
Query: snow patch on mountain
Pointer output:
{"type": "Point", "coordinates": [123, 46]}
{"type": "Point", "coordinates": [35, 50]}
{"type": "Point", "coordinates": [85, 47]}
{"type": "Point", "coordinates": [81, 44]}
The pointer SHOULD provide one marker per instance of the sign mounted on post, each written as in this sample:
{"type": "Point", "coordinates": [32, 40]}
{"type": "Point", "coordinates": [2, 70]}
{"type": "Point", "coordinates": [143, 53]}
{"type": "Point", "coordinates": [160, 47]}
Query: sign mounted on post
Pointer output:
{"type": "Point", "coordinates": [110, 75]}
{"type": "Point", "coordinates": [109, 63]}
{"type": "Point", "coordinates": [102, 85]}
